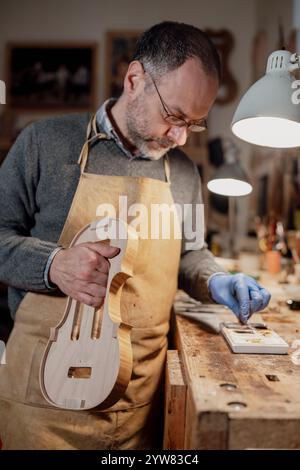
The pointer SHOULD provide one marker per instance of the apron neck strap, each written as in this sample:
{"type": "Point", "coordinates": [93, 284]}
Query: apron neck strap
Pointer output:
{"type": "Point", "coordinates": [167, 168]}
{"type": "Point", "coordinates": [91, 128]}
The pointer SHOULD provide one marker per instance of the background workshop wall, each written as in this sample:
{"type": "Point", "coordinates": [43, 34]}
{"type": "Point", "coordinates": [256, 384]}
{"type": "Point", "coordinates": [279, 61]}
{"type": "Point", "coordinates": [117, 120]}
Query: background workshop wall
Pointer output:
{"type": "Point", "coordinates": [78, 20]}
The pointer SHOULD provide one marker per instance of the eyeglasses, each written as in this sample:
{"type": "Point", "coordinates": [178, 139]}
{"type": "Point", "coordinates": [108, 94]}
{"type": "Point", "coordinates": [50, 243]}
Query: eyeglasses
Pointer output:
{"type": "Point", "coordinates": [193, 126]}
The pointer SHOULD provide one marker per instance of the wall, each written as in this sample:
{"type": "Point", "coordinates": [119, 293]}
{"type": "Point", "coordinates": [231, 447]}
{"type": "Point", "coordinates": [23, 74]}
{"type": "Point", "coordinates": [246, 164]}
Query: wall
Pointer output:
{"type": "Point", "coordinates": [35, 20]}
{"type": "Point", "coordinates": [269, 13]}
{"type": "Point", "coordinates": [89, 20]}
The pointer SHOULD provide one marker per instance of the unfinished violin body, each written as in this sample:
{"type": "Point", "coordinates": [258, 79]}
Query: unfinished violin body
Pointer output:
{"type": "Point", "coordinates": [88, 358]}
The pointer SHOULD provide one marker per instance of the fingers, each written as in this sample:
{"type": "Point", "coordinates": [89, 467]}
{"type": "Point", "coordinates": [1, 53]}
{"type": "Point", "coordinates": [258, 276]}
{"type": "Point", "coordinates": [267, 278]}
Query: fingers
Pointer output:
{"type": "Point", "coordinates": [90, 294]}
{"type": "Point", "coordinates": [96, 291]}
{"type": "Point", "coordinates": [256, 301]}
{"type": "Point", "coordinates": [241, 291]}
{"type": "Point", "coordinates": [266, 296]}
{"type": "Point", "coordinates": [260, 297]}
{"type": "Point", "coordinates": [99, 278]}
{"type": "Point", "coordinates": [95, 257]}
{"type": "Point", "coordinates": [88, 299]}
{"type": "Point", "coordinates": [91, 288]}
{"type": "Point", "coordinates": [234, 306]}
{"type": "Point", "coordinates": [94, 273]}
{"type": "Point", "coordinates": [103, 249]}
{"type": "Point", "coordinates": [91, 261]}
{"type": "Point", "coordinates": [251, 297]}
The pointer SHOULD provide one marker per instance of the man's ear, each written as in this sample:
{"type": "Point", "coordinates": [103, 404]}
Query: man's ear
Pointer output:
{"type": "Point", "coordinates": [134, 78]}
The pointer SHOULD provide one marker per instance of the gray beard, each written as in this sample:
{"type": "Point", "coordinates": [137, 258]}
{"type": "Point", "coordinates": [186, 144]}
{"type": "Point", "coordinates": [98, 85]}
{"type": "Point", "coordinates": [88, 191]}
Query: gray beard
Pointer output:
{"type": "Point", "coordinates": [137, 125]}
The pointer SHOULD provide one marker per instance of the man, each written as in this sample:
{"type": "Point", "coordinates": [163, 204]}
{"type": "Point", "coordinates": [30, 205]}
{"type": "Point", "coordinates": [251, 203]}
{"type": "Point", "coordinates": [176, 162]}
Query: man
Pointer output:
{"type": "Point", "coordinates": [47, 197]}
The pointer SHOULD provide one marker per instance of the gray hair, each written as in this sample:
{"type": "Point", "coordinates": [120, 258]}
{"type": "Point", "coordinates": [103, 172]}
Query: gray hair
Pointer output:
{"type": "Point", "coordinates": [167, 45]}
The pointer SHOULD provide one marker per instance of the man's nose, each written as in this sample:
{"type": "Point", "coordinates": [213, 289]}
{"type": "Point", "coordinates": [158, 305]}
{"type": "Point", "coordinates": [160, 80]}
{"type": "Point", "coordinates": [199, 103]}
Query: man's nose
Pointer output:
{"type": "Point", "coordinates": [178, 134]}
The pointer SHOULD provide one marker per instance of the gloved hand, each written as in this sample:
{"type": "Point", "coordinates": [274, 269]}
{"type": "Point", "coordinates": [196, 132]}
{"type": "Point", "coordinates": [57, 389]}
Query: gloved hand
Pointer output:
{"type": "Point", "coordinates": [242, 294]}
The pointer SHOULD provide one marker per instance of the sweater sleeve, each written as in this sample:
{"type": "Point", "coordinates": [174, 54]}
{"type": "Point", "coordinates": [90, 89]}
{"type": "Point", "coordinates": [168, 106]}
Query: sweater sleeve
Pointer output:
{"type": "Point", "coordinates": [23, 258]}
{"type": "Point", "coordinates": [197, 263]}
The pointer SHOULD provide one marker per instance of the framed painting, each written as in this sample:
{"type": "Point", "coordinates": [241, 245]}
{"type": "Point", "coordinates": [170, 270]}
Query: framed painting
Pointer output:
{"type": "Point", "coordinates": [51, 76]}
{"type": "Point", "coordinates": [120, 46]}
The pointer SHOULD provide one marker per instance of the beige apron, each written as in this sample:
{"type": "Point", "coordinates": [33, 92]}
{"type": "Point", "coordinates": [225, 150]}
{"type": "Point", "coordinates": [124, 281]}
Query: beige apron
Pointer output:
{"type": "Point", "coordinates": [27, 421]}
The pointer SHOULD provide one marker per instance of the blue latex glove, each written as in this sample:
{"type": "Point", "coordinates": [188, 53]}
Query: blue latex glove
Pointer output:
{"type": "Point", "coordinates": [242, 294]}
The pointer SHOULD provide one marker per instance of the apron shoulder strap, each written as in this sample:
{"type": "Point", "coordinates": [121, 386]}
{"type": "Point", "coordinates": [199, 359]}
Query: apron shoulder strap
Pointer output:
{"type": "Point", "coordinates": [91, 128]}
{"type": "Point", "coordinates": [167, 168]}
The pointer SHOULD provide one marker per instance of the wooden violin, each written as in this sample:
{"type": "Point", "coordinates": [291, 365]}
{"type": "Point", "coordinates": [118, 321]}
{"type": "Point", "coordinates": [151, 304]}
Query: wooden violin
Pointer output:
{"type": "Point", "coordinates": [88, 358]}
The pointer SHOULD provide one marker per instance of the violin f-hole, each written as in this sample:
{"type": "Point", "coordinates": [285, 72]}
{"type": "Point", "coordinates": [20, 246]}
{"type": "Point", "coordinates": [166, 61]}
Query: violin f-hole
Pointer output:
{"type": "Point", "coordinates": [77, 321]}
{"type": "Point", "coordinates": [97, 323]}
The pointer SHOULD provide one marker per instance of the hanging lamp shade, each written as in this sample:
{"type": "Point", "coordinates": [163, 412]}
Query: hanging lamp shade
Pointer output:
{"type": "Point", "coordinates": [230, 180]}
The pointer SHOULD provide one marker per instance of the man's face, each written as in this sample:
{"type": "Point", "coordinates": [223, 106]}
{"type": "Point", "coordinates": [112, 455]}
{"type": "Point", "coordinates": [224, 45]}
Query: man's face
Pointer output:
{"type": "Point", "coordinates": [188, 92]}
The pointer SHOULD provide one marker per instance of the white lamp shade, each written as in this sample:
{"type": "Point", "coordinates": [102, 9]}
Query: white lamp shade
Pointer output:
{"type": "Point", "coordinates": [229, 187]}
{"type": "Point", "coordinates": [230, 180]}
{"type": "Point", "coordinates": [267, 115]}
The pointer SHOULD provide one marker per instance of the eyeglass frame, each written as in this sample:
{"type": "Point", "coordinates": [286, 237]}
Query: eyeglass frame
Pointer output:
{"type": "Point", "coordinates": [189, 126]}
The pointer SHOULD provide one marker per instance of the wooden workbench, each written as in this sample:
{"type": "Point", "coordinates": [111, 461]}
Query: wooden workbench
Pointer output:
{"type": "Point", "coordinates": [216, 399]}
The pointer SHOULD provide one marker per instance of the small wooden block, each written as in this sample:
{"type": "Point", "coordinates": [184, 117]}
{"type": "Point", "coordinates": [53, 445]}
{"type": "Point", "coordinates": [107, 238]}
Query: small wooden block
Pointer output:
{"type": "Point", "coordinates": [254, 338]}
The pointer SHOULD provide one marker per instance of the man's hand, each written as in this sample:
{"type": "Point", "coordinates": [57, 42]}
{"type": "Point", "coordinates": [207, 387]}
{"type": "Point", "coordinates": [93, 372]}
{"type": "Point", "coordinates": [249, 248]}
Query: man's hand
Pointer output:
{"type": "Point", "coordinates": [242, 294]}
{"type": "Point", "coordinates": [82, 271]}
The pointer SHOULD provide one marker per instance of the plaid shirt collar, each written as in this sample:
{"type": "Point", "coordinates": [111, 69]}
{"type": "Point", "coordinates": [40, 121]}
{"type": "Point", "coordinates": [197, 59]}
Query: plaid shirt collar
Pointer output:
{"type": "Point", "coordinates": [104, 122]}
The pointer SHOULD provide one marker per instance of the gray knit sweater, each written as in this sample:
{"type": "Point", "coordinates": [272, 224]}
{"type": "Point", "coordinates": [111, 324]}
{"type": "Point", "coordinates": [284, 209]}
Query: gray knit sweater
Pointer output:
{"type": "Point", "coordinates": [38, 180]}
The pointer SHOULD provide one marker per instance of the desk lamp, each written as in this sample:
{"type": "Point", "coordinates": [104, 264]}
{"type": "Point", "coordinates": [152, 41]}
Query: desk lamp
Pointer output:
{"type": "Point", "coordinates": [230, 180]}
